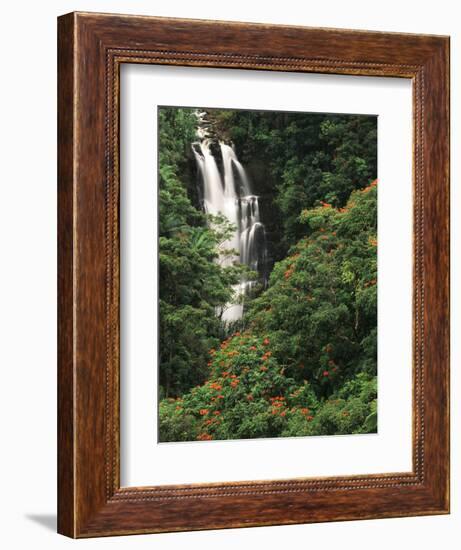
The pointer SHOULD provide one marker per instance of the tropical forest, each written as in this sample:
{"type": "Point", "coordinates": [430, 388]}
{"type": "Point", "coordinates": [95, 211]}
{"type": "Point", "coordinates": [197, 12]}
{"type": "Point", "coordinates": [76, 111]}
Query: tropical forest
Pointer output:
{"type": "Point", "coordinates": [267, 274]}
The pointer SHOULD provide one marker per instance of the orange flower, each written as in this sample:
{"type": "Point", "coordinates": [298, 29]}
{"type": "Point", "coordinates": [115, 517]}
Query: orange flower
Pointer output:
{"type": "Point", "coordinates": [263, 368]}
{"type": "Point", "coordinates": [203, 412]}
{"type": "Point", "coordinates": [234, 383]}
{"type": "Point", "coordinates": [325, 373]}
{"type": "Point", "coordinates": [266, 341]}
{"type": "Point", "coordinates": [250, 397]}
{"type": "Point", "coordinates": [372, 184]}
{"type": "Point", "coordinates": [253, 348]}
{"type": "Point", "coordinates": [204, 437]}
{"type": "Point", "coordinates": [217, 413]}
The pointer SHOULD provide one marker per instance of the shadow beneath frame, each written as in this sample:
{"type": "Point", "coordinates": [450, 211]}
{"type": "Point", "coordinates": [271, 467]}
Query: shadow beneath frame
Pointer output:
{"type": "Point", "coordinates": [48, 521]}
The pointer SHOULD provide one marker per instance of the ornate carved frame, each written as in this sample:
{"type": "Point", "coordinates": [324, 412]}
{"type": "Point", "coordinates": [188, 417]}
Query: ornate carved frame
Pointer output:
{"type": "Point", "coordinates": [91, 48]}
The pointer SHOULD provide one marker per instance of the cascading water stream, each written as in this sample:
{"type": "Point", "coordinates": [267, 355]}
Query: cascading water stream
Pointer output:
{"type": "Point", "coordinates": [233, 198]}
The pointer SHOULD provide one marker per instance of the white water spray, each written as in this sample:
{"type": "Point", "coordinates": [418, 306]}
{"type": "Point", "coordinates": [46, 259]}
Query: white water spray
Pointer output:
{"type": "Point", "coordinates": [232, 197]}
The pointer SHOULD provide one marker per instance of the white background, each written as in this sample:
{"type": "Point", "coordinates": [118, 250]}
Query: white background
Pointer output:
{"type": "Point", "coordinates": [144, 461]}
{"type": "Point", "coordinates": [28, 273]}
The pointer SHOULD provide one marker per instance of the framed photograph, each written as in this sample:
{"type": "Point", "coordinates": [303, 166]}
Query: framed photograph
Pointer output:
{"type": "Point", "coordinates": [253, 275]}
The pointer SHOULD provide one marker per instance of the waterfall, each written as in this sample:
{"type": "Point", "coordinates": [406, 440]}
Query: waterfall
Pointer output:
{"type": "Point", "coordinates": [230, 194]}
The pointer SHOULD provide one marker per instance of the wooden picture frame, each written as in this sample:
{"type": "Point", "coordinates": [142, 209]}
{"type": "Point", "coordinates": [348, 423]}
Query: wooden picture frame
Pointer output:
{"type": "Point", "coordinates": [92, 48]}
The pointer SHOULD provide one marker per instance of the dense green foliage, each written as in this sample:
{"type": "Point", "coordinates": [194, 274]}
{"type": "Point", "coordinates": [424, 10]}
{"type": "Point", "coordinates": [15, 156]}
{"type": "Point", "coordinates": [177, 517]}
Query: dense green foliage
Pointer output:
{"type": "Point", "coordinates": [248, 395]}
{"type": "Point", "coordinates": [320, 307]}
{"type": "Point", "coordinates": [304, 359]}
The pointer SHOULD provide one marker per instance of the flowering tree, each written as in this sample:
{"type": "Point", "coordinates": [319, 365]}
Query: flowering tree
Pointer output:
{"type": "Point", "coordinates": [305, 363]}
